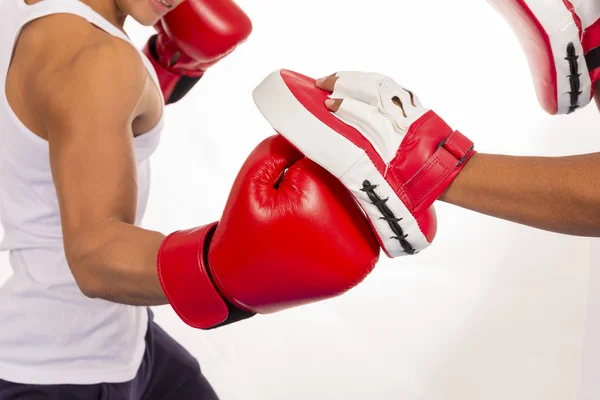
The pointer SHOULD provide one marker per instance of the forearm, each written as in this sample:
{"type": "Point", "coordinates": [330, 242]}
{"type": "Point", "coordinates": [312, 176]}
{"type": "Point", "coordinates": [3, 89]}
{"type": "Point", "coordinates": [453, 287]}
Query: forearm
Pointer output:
{"type": "Point", "coordinates": [117, 262]}
{"type": "Point", "coordinates": [559, 194]}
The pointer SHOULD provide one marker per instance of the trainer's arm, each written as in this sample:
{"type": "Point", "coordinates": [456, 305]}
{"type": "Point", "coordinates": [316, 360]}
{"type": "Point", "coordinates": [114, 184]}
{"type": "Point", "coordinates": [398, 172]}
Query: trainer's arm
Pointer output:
{"type": "Point", "coordinates": [559, 194]}
{"type": "Point", "coordinates": [88, 109]}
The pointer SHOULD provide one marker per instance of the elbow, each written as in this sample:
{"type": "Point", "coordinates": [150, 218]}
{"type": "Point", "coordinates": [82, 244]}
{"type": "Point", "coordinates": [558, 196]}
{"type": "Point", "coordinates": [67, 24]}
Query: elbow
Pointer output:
{"type": "Point", "coordinates": [89, 288]}
{"type": "Point", "coordinates": [83, 273]}
{"type": "Point", "coordinates": [89, 259]}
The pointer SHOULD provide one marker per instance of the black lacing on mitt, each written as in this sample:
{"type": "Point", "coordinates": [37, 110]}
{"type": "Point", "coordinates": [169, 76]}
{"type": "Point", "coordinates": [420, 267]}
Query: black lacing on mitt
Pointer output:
{"type": "Point", "coordinates": [574, 81]}
{"type": "Point", "coordinates": [388, 216]}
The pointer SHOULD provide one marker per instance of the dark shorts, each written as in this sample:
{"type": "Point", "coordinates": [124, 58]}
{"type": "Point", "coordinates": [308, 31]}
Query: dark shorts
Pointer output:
{"type": "Point", "coordinates": [168, 372]}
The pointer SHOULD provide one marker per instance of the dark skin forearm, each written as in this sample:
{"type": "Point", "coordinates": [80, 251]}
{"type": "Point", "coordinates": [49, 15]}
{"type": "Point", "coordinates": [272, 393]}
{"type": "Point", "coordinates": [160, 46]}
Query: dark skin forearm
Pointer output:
{"type": "Point", "coordinates": [558, 194]}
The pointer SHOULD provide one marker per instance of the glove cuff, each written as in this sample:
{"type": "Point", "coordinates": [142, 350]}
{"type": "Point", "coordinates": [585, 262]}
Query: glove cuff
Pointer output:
{"type": "Point", "coordinates": [173, 84]}
{"type": "Point", "coordinates": [185, 280]}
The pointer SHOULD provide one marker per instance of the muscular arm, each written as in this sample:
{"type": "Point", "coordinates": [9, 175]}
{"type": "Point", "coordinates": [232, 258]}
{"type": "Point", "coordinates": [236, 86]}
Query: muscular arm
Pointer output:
{"type": "Point", "coordinates": [559, 194]}
{"type": "Point", "coordinates": [88, 107]}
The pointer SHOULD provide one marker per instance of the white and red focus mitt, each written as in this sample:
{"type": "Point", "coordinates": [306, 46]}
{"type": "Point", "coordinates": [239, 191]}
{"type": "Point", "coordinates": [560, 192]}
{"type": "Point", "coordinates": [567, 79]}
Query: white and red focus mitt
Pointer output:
{"type": "Point", "coordinates": [395, 156]}
{"type": "Point", "coordinates": [561, 39]}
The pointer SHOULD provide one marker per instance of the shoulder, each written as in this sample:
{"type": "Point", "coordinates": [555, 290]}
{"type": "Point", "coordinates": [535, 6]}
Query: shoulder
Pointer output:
{"type": "Point", "coordinates": [79, 65]}
{"type": "Point", "coordinates": [108, 67]}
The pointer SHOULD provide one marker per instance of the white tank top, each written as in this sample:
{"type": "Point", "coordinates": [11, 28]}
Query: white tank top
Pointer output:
{"type": "Point", "coordinates": [50, 333]}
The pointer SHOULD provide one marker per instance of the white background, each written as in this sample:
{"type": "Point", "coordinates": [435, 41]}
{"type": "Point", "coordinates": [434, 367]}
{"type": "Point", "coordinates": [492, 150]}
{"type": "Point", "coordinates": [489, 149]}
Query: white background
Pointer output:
{"type": "Point", "coordinates": [493, 310]}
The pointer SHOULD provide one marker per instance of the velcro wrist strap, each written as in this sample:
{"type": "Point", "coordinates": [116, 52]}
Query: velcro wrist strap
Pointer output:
{"type": "Point", "coordinates": [439, 170]}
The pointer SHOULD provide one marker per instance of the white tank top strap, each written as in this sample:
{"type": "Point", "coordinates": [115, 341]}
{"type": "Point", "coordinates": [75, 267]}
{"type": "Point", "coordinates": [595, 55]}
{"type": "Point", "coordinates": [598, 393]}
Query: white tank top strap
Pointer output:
{"type": "Point", "coordinates": [49, 7]}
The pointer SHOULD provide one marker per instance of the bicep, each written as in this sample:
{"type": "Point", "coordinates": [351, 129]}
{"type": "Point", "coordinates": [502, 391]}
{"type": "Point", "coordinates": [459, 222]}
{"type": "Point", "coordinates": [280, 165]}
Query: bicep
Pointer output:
{"type": "Point", "coordinates": [91, 145]}
{"type": "Point", "coordinates": [94, 171]}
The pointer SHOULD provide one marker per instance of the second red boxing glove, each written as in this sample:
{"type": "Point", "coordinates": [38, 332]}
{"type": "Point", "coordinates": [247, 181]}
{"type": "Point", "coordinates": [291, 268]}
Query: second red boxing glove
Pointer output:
{"type": "Point", "coordinates": [192, 38]}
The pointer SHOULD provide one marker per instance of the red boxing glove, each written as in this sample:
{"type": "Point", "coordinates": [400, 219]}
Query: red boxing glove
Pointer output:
{"type": "Point", "coordinates": [192, 38]}
{"type": "Point", "coordinates": [290, 234]}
